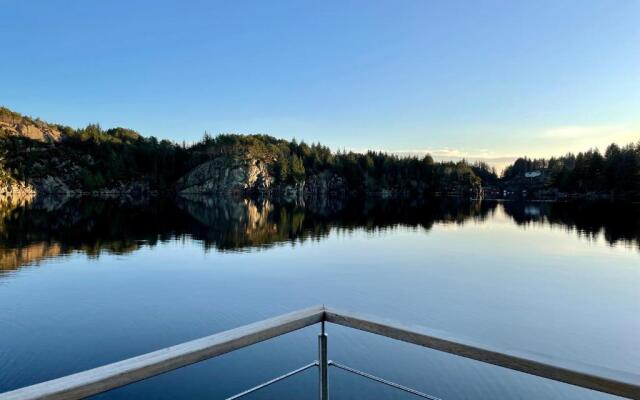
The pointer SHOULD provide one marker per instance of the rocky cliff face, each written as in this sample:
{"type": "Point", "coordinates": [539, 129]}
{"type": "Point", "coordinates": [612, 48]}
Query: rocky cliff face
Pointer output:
{"type": "Point", "coordinates": [36, 130]}
{"type": "Point", "coordinates": [227, 175]}
{"type": "Point", "coordinates": [247, 175]}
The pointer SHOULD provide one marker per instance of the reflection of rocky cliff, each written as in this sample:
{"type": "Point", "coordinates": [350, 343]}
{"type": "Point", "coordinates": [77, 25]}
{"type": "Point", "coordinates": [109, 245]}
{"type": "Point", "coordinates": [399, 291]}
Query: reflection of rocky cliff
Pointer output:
{"type": "Point", "coordinates": [15, 193]}
{"type": "Point", "coordinates": [29, 254]}
{"type": "Point", "coordinates": [230, 224]}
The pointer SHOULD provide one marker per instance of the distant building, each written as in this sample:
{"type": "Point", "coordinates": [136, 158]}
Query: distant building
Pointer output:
{"type": "Point", "coordinates": [532, 174]}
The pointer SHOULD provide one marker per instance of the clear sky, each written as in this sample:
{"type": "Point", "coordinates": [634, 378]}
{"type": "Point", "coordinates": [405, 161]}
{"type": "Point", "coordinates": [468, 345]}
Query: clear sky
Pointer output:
{"type": "Point", "coordinates": [487, 79]}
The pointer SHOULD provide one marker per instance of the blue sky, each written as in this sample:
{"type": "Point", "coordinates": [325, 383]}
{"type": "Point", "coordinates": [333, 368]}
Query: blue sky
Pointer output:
{"type": "Point", "coordinates": [479, 79]}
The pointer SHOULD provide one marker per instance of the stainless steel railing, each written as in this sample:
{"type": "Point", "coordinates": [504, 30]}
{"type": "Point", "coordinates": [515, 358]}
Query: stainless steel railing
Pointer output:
{"type": "Point", "coordinates": [101, 379]}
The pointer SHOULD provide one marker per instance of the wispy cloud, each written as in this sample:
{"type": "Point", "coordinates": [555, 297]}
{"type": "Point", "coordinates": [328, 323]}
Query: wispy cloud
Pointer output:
{"type": "Point", "coordinates": [576, 138]}
{"type": "Point", "coordinates": [499, 161]}
{"type": "Point", "coordinates": [587, 132]}
{"type": "Point", "coordinates": [447, 152]}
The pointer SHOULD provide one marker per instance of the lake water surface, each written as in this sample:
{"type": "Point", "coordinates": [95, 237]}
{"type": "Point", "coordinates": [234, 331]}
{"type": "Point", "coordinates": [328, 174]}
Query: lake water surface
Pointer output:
{"type": "Point", "coordinates": [88, 282]}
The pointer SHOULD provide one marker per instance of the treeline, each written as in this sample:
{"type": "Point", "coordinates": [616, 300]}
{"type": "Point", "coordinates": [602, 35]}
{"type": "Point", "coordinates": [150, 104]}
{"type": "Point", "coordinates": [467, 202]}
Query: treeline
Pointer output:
{"type": "Point", "coordinates": [617, 170]}
{"type": "Point", "coordinates": [121, 154]}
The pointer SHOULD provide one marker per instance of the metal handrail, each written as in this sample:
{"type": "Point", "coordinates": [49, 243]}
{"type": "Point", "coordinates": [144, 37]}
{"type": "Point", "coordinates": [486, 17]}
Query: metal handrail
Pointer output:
{"type": "Point", "coordinates": [343, 367]}
{"type": "Point", "coordinates": [274, 380]}
{"type": "Point", "coordinates": [111, 376]}
{"type": "Point", "coordinates": [383, 381]}
{"type": "Point", "coordinates": [625, 384]}
{"type": "Point", "coordinates": [101, 379]}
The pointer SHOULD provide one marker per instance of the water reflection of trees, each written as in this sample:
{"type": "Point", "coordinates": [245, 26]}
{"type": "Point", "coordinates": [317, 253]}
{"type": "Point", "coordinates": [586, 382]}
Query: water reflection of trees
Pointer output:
{"type": "Point", "coordinates": [617, 222]}
{"type": "Point", "coordinates": [56, 227]}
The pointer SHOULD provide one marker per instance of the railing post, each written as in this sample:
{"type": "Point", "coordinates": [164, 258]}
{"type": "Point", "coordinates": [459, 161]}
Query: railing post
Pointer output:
{"type": "Point", "coordinates": [323, 364]}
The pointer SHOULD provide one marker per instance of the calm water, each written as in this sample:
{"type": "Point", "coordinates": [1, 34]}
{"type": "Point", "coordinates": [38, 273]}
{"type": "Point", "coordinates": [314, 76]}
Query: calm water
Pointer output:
{"type": "Point", "coordinates": [84, 283]}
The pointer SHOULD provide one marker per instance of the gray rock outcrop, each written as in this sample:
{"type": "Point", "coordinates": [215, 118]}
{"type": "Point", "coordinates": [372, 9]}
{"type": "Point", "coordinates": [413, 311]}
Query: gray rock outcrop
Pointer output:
{"type": "Point", "coordinates": [226, 175]}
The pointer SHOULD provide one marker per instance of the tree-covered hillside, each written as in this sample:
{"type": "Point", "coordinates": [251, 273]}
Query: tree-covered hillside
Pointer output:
{"type": "Point", "coordinates": [92, 158]}
{"type": "Point", "coordinates": [57, 157]}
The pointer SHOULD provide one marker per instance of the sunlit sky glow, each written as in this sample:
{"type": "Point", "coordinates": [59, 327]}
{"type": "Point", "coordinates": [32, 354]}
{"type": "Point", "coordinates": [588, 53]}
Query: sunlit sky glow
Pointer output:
{"type": "Point", "coordinates": [475, 79]}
